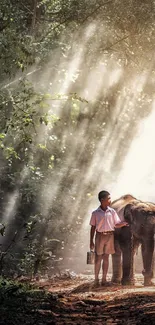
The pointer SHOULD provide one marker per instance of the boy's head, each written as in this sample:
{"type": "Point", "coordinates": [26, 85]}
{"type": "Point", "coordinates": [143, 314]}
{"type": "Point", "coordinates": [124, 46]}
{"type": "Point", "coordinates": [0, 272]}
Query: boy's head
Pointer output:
{"type": "Point", "coordinates": [104, 198]}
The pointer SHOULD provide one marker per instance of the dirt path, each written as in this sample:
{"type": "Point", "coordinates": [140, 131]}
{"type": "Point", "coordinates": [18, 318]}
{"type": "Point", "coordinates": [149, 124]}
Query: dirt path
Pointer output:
{"type": "Point", "coordinates": [79, 303]}
{"type": "Point", "coordinates": [69, 301]}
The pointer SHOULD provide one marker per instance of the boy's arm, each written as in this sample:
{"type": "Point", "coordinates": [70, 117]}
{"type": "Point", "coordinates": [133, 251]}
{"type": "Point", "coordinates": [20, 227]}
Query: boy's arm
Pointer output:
{"type": "Point", "coordinates": [121, 224]}
{"type": "Point", "coordinates": [92, 232]}
{"type": "Point", "coordinates": [118, 222]}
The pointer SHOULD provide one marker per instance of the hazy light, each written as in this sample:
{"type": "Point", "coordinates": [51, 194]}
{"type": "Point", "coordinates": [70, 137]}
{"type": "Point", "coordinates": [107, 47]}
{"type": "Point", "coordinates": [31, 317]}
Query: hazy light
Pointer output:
{"type": "Point", "coordinates": [114, 76]}
{"type": "Point", "coordinates": [92, 89]}
{"type": "Point", "coordinates": [90, 31]}
{"type": "Point", "coordinates": [12, 201]}
{"type": "Point", "coordinates": [138, 175]}
{"type": "Point", "coordinates": [100, 78]}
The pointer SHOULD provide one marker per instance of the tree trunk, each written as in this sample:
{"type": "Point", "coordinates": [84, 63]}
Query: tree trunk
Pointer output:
{"type": "Point", "coordinates": [34, 17]}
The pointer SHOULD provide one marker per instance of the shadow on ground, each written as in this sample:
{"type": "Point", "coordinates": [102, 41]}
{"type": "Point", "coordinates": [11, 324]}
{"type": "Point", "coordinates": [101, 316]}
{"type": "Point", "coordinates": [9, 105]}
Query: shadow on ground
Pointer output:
{"type": "Point", "coordinates": [79, 304]}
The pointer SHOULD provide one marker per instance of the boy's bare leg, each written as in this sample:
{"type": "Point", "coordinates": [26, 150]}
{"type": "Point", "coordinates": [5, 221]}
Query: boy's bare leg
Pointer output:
{"type": "Point", "coordinates": [98, 259]}
{"type": "Point", "coordinates": [105, 266]}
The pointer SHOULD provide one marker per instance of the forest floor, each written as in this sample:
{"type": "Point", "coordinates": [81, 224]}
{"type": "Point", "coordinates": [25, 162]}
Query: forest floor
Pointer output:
{"type": "Point", "coordinates": [71, 299]}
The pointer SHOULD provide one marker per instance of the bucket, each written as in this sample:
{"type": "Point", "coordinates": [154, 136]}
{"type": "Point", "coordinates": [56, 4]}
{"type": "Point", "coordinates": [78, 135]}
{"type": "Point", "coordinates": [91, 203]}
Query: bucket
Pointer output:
{"type": "Point", "coordinates": [91, 257]}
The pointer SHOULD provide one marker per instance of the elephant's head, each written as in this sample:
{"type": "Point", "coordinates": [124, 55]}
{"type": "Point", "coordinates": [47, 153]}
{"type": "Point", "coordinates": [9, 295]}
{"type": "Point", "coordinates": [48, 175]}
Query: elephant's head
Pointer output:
{"type": "Point", "coordinates": [133, 210]}
{"type": "Point", "coordinates": [140, 213]}
{"type": "Point", "coordinates": [120, 204]}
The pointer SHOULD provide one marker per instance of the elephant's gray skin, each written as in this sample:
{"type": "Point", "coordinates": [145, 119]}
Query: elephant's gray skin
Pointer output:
{"type": "Point", "coordinates": [141, 218]}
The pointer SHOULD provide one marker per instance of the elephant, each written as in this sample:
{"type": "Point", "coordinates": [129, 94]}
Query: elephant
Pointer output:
{"type": "Point", "coordinates": [141, 219]}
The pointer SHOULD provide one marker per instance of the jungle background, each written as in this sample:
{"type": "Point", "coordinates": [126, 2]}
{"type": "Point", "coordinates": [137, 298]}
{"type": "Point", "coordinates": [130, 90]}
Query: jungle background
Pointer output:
{"type": "Point", "coordinates": [77, 87]}
{"type": "Point", "coordinates": [76, 80]}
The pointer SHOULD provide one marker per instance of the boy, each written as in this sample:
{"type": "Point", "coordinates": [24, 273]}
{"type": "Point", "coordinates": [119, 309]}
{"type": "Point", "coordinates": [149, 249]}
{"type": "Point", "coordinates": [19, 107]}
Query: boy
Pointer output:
{"type": "Point", "coordinates": [103, 222]}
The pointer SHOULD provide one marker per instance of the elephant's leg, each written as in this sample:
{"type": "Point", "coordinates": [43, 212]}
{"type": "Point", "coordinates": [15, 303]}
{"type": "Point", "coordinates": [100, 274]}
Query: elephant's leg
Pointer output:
{"type": "Point", "coordinates": [128, 266]}
{"type": "Point", "coordinates": [116, 263]}
{"type": "Point", "coordinates": [128, 261]}
{"type": "Point", "coordinates": [127, 245]}
{"type": "Point", "coordinates": [147, 255]}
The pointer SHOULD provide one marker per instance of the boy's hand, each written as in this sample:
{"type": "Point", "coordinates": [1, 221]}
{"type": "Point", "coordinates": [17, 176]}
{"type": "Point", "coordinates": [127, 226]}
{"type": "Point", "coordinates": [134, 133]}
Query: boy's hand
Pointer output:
{"type": "Point", "coordinates": [92, 246]}
{"type": "Point", "coordinates": [121, 224]}
{"type": "Point", "coordinates": [125, 223]}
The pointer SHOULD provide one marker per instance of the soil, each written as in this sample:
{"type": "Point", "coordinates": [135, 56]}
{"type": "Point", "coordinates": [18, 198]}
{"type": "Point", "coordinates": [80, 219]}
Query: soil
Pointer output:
{"type": "Point", "coordinates": [71, 299]}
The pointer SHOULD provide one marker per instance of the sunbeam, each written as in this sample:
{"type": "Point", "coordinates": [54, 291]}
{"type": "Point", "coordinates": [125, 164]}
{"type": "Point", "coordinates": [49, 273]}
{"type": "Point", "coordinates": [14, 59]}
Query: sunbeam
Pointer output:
{"type": "Point", "coordinates": [95, 132]}
{"type": "Point", "coordinates": [137, 174]}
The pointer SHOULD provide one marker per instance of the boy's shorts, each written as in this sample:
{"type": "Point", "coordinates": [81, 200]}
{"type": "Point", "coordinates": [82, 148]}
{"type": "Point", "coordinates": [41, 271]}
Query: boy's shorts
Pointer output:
{"type": "Point", "coordinates": [104, 243]}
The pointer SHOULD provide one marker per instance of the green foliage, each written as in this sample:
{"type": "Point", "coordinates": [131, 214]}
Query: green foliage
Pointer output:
{"type": "Point", "coordinates": [49, 136]}
{"type": "Point", "coordinates": [11, 289]}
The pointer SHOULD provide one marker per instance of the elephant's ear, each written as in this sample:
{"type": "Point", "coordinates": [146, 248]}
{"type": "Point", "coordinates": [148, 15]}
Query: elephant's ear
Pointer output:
{"type": "Point", "coordinates": [128, 213]}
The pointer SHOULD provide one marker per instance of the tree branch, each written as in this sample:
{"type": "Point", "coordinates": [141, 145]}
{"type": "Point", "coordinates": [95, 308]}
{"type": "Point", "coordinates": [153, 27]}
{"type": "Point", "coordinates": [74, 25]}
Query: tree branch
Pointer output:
{"type": "Point", "coordinates": [112, 45]}
{"type": "Point", "coordinates": [83, 21]}
{"type": "Point", "coordinates": [96, 9]}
